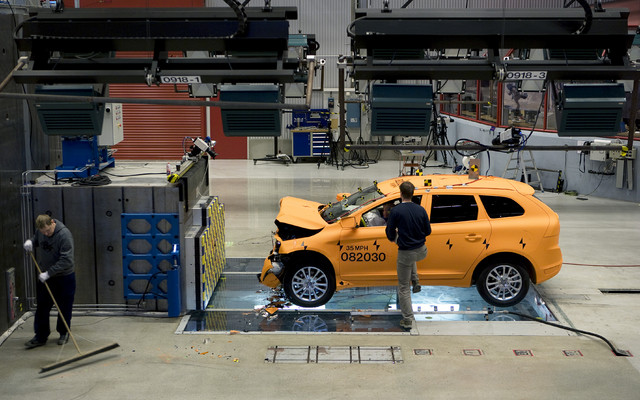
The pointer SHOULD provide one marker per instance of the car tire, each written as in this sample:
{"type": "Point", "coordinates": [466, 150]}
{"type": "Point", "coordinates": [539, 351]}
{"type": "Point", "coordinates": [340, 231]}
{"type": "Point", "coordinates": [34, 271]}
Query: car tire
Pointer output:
{"type": "Point", "coordinates": [503, 284]}
{"type": "Point", "coordinates": [309, 285]}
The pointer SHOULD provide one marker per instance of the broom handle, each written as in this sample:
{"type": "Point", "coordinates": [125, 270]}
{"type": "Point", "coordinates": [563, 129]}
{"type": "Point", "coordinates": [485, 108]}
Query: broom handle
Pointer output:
{"type": "Point", "coordinates": [56, 303]}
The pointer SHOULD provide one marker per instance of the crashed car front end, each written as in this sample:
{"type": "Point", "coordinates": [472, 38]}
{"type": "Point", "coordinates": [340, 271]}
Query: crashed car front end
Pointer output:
{"type": "Point", "coordinates": [297, 219]}
{"type": "Point", "coordinates": [272, 269]}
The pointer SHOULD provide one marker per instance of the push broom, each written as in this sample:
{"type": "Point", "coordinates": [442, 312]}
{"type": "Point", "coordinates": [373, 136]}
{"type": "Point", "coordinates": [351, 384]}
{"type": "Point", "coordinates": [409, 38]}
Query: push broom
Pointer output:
{"type": "Point", "coordinates": [81, 355]}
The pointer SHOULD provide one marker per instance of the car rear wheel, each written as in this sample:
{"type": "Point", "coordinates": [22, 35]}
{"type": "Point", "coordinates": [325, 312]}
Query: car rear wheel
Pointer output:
{"type": "Point", "coordinates": [503, 284]}
{"type": "Point", "coordinates": [309, 285]}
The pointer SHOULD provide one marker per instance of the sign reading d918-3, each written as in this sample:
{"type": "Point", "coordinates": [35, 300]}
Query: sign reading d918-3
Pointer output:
{"type": "Point", "coordinates": [525, 75]}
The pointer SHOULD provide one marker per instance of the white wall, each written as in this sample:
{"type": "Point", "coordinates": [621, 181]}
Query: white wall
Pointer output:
{"type": "Point", "coordinates": [567, 161]}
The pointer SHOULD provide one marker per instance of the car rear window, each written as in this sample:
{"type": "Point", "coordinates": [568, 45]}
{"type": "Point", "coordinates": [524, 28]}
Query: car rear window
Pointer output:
{"type": "Point", "coordinates": [501, 207]}
{"type": "Point", "coordinates": [453, 208]}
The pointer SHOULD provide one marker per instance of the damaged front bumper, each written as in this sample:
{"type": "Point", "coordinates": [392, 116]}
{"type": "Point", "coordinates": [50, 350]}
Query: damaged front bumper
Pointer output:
{"type": "Point", "coordinates": [272, 270]}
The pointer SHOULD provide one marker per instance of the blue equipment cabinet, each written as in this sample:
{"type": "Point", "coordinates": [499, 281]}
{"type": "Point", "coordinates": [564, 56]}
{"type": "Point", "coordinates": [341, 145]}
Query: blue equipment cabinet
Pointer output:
{"type": "Point", "coordinates": [310, 133]}
{"type": "Point", "coordinates": [310, 142]}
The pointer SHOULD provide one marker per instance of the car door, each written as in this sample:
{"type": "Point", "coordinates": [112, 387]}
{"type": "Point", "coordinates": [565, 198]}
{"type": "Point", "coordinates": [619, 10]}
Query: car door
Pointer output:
{"type": "Point", "coordinates": [366, 256]}
{"type": "Point", "coordinates": [460, 233]}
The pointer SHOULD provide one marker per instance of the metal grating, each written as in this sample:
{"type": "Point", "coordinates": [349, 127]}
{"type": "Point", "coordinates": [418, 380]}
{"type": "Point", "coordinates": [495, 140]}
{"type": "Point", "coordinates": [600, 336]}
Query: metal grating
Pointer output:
{"type": "Point", "coordinates": [254, 123]}
{"type": "Point", "coordinates": [406, 121]}
{"type": "Point", "coordinates": [68, 121]}
{"type": "Point", "coordinates": [333, 355]}
{"type": "Point", "coordinates": [592, 121]}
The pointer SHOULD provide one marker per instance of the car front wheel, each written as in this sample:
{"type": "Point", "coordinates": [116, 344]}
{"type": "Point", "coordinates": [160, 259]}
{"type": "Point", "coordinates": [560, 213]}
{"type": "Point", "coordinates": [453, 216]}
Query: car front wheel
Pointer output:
{"type": "Point", "coordinates": [503, 284]}
{"type": "Point", "coordinates": [309, 285]}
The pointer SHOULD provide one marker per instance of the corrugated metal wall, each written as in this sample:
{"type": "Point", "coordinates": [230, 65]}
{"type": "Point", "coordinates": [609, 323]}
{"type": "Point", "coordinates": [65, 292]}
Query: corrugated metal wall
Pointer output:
{"type": "Point", "coordinates": [156, 132]}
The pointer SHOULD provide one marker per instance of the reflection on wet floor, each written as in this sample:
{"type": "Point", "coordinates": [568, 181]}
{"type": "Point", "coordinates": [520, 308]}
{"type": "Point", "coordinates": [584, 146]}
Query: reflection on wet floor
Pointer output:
{"type": "Point", "coordinates": [241, 303]}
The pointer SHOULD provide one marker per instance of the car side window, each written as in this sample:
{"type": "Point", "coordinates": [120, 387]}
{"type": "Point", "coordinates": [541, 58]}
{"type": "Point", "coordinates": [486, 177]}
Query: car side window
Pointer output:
{"type": "Point", "coordinates": [453, 208]}
{"type": "Point", "coordinates": [378, 216]}
{"type": "Point", "coordinates": [501, 207]}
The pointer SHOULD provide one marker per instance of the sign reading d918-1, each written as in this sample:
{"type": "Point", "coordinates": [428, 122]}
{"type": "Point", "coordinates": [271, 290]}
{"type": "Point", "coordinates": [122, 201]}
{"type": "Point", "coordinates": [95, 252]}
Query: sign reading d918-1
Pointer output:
{"type": "Point", "coordinates": [174, 79]}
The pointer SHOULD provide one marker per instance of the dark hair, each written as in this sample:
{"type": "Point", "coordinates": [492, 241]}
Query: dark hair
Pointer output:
{"type": "Point", "coordinates": [406, 190]}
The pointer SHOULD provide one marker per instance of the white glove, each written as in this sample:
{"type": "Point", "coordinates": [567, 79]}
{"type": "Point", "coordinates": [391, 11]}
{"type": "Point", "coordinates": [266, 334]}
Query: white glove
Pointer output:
{"type": "Point", "coordinates": [43, 276]}
{"type": "Point", "coordinates": [28, 245]}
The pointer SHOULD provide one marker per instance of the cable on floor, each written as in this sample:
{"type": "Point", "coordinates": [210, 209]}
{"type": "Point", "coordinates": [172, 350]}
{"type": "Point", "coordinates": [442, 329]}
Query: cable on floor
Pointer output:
{"type": "Point", "coordinates": [537, 319]}
{"type": "Point", "coordinates": [95, 180]}
{"type": "Point", "coordinates": [603, 265]}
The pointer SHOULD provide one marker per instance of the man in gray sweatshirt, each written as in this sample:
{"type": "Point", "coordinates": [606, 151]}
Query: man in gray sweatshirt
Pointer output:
{"type": "Point", "coordinates": [54, 244]}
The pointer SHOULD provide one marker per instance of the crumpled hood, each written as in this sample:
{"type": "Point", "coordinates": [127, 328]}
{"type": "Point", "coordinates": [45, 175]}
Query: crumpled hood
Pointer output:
{"type": "Point", "coordinates": [301, 213]}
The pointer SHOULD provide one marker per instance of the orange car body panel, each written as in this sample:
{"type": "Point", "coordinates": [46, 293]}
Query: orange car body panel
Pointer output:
{"type": "Point", "coordinates": [362, 256]}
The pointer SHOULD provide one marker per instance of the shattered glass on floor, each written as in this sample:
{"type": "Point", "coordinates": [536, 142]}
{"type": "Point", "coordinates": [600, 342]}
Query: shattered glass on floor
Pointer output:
{"type": "Point", "coordinates": [240, 303]}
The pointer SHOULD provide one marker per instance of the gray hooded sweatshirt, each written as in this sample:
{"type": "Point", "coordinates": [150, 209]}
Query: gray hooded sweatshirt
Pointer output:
{"type": "Point", "coordinates": [55, 253]}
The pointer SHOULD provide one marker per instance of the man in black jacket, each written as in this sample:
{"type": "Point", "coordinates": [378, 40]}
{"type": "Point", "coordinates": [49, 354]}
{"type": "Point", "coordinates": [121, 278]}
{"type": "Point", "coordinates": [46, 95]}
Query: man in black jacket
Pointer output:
{"type": "Point", "coordinates": [408, 226]}
{"type": "Point", "coordinates": [54, 254]}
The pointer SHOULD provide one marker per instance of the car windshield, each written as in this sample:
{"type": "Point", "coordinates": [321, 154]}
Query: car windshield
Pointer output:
{"type": "Point", "coordinates": [348, 205]}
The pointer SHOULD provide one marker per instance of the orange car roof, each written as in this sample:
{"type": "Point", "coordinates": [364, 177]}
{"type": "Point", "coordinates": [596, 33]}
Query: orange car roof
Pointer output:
{"type": "Point", "coordinates": [454, 181]}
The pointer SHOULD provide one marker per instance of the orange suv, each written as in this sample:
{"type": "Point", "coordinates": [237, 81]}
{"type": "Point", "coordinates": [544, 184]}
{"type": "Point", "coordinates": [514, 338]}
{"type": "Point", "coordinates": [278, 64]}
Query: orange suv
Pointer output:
{"type": "Point", "coordinates": [489, 232]}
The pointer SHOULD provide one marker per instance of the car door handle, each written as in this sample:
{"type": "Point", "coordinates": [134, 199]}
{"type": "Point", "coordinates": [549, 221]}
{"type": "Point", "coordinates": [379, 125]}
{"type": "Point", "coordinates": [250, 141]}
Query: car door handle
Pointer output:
{"type": "Point", "coordinates": [472, 237]}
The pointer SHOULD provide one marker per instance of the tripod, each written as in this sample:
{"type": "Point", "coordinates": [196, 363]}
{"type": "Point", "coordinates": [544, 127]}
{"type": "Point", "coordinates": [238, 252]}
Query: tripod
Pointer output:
{"type": "Point", "coordinates": [438, 136]}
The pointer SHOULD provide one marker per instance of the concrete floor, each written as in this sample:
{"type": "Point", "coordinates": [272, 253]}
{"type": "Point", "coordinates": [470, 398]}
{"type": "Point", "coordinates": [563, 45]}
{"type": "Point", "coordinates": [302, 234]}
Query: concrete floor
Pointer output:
{"type": "Point", "coordinates": [154, 362]}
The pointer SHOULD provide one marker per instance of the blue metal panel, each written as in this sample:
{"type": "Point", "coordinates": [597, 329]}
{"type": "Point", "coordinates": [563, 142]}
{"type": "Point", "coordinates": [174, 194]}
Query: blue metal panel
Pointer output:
{"type": "Point", "coordinates": [301, 144]}
{"type": "Point", "coordinates": [154, 256]}
{"type": "Point", "coordinates": [353, 115]}
{"type": "Point", "coordinates": [313, 118]}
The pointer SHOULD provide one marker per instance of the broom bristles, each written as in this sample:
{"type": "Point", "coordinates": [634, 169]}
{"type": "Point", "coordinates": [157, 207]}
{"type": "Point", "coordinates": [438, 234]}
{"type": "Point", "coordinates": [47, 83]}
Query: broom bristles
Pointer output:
{"type": "Point", "coordinates": [79, 357]}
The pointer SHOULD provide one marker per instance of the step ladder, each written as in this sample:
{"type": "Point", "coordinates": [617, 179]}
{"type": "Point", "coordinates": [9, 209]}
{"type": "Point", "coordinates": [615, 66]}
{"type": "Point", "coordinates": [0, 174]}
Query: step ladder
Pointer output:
{"type": "Point", "coordinates": [522, 163]}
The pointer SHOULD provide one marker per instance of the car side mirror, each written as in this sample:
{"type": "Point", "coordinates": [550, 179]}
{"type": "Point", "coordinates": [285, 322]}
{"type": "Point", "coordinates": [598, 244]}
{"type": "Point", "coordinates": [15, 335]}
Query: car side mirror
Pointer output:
{"type": "Point", "coordinates": [348, 223]}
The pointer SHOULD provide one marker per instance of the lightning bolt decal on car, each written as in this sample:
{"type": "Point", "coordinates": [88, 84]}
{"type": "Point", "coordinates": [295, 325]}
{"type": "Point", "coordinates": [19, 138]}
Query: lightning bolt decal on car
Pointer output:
{"type": "Point", "coordinates": [522, 243]}
{"type": "Point", "coordinates": [449, 244]}
{"type": "Point", "coordinates": [485, 244]}
{"type": "Point", "coordinates": [339, 245]}
{"type": "Point", "coordinates": [376, 244]}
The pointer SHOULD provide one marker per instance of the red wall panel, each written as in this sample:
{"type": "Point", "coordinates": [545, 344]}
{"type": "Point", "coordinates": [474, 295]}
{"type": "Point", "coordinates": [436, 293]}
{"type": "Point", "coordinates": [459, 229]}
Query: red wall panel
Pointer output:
{"type": "Point", "coordinates": [226, 147]}
{"type": "Point", "coordinates": [156, 132]}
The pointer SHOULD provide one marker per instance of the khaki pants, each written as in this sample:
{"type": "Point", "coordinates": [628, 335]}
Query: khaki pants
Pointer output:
{"type": "Point", "coordinates": [407, 269]}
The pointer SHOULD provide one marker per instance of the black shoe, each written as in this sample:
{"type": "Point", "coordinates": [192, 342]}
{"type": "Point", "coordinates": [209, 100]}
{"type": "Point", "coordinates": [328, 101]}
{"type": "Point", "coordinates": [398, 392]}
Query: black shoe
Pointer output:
{"type": "Point", "coordinates": [417, 288]}
{"type": "Point", "coordinates": [34, 343]}
{"type": "Point", "coordinates": [406, 323]}
{"type": "Point", "coordinates": [64, 338]}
